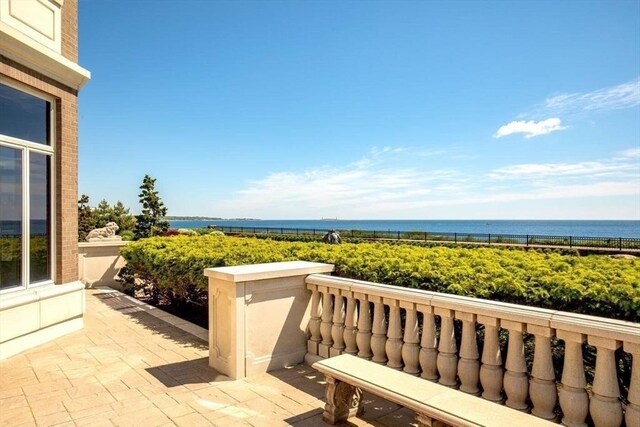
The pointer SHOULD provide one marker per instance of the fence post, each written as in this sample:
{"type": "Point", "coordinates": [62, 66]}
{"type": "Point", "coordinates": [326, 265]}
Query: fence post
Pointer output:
{"type": "Point", "coordinates": [297, 231]}
{"type": "Point", "coordinates": [620, 242]}
{"type": "Point", "coordinates": [527, 240]}
{"type": "Point", "coordinates": [398, 235]}
{"type": "Point", "coordinates": [374, 234]}
{"type": "Point", "coordinates": [455, 238]}
{"type": "Point", "coordinates": [570, 241]}
{"type": "Point", "coordinates": [489, 238]}
{"type": "Point", "coordinates": [282, 231]}
{"type": "Point", "coordinates": [314, 231]}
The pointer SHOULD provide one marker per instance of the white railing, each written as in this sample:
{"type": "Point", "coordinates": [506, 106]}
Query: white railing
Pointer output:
{"type": "Point", "coordinates": [415, 331]}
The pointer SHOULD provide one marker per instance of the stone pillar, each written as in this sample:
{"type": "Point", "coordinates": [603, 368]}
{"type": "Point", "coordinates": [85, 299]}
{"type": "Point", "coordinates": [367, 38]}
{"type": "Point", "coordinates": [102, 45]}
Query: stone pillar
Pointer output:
{"type": "Point", "coordinates": [258, 316]}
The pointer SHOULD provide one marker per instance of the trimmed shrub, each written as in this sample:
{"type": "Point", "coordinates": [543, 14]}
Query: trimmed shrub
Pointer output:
{"type": "Point", "coordinates": [596, 285]}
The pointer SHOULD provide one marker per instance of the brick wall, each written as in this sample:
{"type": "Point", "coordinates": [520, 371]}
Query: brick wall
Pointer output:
{"type": "Point", "coordinates": [66, 145]}
{"type": "Point", "coordinates": [69, 29]}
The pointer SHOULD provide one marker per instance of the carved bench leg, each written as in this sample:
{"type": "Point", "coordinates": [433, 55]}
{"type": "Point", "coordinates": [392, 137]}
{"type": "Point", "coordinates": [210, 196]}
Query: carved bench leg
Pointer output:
{"type": "Point", "coordinates": [343, 401]}
{"type": "Point", "coordinates": [426, 421]}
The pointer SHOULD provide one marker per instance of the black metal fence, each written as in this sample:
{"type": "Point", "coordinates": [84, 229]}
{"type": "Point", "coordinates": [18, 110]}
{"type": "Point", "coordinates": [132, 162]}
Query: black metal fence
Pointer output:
{"type": "Point", "coordinates": [617, 243]}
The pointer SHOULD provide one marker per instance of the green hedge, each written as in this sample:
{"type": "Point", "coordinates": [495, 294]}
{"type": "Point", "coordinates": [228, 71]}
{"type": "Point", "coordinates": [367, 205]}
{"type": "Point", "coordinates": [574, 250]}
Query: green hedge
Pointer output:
{"type": "Point", "coordinates": [596, 285]}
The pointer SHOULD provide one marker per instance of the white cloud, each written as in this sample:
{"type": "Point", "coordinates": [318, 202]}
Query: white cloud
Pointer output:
{"type": "Point", "coordinates": [572, 106]}
{"type": "Point", "coordinates": [543, 170]}
{"type": "Point", "coordinates": [530, 128]}
{"type": "Point", "coordinates": [373, 188]}
{"type": "Point", "coordinates": [630, 153]}
{"type": "Point", "coordinates": [625, 95]}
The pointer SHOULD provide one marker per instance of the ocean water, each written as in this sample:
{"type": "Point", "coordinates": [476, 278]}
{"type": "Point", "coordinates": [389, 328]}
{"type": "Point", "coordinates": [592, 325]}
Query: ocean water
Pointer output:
{"type": "Point", "coordinates": [584, 228]}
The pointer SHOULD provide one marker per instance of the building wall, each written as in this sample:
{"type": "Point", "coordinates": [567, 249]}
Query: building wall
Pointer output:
{"type": "Point", "coordinates": [70, 30]}
{"type": "Point", "coordinates": [35, 315]}
{"type": "Point", "coordinates": [66, 144]}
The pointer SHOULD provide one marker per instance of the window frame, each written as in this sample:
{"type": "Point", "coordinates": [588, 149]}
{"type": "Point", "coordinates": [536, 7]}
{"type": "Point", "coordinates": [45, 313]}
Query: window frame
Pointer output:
{"type": "Point", "coordinates": [26, 148]}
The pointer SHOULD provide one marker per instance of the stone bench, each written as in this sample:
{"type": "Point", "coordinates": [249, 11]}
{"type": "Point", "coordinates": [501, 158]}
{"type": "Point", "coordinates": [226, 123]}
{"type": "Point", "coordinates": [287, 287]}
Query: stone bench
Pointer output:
{"type": "Point", "coordinates": [434, 404]}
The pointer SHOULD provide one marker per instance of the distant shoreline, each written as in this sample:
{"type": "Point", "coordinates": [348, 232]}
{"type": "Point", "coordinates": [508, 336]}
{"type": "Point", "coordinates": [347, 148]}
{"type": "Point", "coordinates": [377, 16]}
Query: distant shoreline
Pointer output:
{"type": "Point", "coordinates": [591, 228]}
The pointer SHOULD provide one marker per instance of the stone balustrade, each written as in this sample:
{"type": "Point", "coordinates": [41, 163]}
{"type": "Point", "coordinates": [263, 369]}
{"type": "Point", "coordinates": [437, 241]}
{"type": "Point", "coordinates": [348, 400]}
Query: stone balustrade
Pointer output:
{"type": "Point", "coordinates": [436, 336]}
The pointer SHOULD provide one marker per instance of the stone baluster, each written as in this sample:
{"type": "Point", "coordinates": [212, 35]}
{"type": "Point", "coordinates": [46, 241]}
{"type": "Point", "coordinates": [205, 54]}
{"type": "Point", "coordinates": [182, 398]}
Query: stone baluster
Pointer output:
{"type": "Point", "coordinates": [350, 322]}
{"type": "Point", "coordinates": [468, 364]}
{"type": "Point", "coordinates": [491, 371]}
{"type": "Point", "coordinates": [632, 413]}
{"type": "Point", "coordinates": [337, 329]}
{"type": "Point", "coordinates": [516, 379]}
{"type": "Point", "coordinates": [393, 346]}
{"type": "Point", "coordinates": [363, 338]}
{"type": "Point", "coordinates": [379, 329]}
{"type": "Point", "coordinates": [573, 398]}
{"type": "Point", "coordinates": [410, 348]}
{"type": "Point", "coordinates": [605, 407]}
{"type": "Point", "coordinates": [326, 323]}
{"type": "Point", "coordinates": [542, 386]}
{"type": "Point", "coordinates": [428, 344]}
{"type": "Point", "coordinates": [314, 322]}
{"type": "Point", "coordinates": [447, 361]}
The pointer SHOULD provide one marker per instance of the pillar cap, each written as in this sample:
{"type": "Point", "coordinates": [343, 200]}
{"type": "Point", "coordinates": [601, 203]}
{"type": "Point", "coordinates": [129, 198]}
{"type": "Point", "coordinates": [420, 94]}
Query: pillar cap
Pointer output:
{"type": "Point", "coordinates": [272, 270]}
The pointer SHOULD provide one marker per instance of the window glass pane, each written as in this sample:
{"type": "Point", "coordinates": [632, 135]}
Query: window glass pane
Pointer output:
{"type": "Point", "coordinates": [24, 116]}
{"type": "Point", "coordinates": [10, 217]}
{"type": "Point", "coordinates": [39, 210]}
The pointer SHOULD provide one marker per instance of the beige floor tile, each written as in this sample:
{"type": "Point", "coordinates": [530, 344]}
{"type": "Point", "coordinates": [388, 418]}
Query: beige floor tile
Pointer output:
{"type": "Point", "coordinates": [177, 410]}
{"type": "Point", "coordinates": [13, 403]}
{"type": "Point", "coordinates": [190, 420]}
{"type": "Point", "coordinates": [53, 419]}
{"type": "Point", "coordinates": [147, 417]}
{"type": "Point", "coordinates": [16, 416]}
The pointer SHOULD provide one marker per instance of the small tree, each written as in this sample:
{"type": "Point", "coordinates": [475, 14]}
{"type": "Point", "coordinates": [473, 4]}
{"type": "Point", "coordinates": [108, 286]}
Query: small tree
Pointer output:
{"type": "Point", "coordinates": [86, 217]}
{"type": "Point", "coordinates": [150, 222]}
{"type": "Point", "coordinates": [122, 217]}
{"type": "Point", "coordinates": [103, 213]}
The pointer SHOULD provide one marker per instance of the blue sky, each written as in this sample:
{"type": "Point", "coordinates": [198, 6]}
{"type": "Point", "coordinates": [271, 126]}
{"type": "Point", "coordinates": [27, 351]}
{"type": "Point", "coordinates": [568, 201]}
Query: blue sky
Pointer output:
{"type": "Point", "coordinates": [364, 109]}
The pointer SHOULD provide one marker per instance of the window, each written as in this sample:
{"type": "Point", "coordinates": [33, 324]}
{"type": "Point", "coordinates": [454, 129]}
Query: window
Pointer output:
{"type": "Point", "coordinates": [26, 150]}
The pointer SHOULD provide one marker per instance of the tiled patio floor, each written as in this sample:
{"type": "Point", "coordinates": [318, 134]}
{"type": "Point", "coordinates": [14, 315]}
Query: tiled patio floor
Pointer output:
{"type": "Point", "coordinates": [128, 367]}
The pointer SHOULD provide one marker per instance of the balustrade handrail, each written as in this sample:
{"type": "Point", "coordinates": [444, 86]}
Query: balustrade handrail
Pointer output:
{"type": "Point", "coordinates": [365, 319]}
{"type": "Point", "coordinates": [620, 330]}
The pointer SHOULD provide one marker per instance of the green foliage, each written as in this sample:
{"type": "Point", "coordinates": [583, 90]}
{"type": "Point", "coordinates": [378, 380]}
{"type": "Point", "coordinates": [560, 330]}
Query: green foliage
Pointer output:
{"type": "Point", "coordinates": [98, 217]}
{"type": "Point", "coordinates": [86, 219]}
{"type": "Point", "coordinates": [127, 235]}
{"type": "Point", "coordinates": [150, 222]}
{"type": "Point", "coordinates": [595, 285]}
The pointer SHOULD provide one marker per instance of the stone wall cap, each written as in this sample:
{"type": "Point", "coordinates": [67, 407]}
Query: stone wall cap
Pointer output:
{"type": "Point", "coordinates": [247, 273]}
{"type": "Point", "coordinates": [103, 243]}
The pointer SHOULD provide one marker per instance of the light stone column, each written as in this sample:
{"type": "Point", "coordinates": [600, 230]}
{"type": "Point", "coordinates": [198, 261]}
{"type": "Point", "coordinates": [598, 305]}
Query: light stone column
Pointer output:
{"type": "Point", "coordinates": [326, 323]}
{"type": "Point", "coordinates": [337, 328]}
{"type": "Point", "coordinates": [605, 407]}
{"type": "Point", "coordinates": [542, 387]}
{"type": "Point", "coordinates": [379, 329]}
{"type": "Point", "coordinates": [447, 350]}
{"type": "Point", "coordinates": [393, 346]}
{"type": "Point", "coordinates": [516, 378]}
{"type": "Point", "coordinates": [573, 397]}
{"type": "Point", "coordinates": [468, 364]}
{"type": "Point", "coordinates": [258, 315]}
{"type": "Point", "coordinates": [491, 371]}
{"type": "Point", "coordinates": [363, 338]}
{"type": "Point", "coordinates": [314, 322]}
{"type": "Point", "coordinates": [350, 323]}
{"type": "Point", "coordinates": [410, 347]}
{"type": "Point", "coordinates": [428, 344]}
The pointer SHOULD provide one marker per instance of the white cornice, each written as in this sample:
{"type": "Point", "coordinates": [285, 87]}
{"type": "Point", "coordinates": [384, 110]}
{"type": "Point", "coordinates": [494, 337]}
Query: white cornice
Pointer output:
{"type": "Point", "coordinates": [20, 48]}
